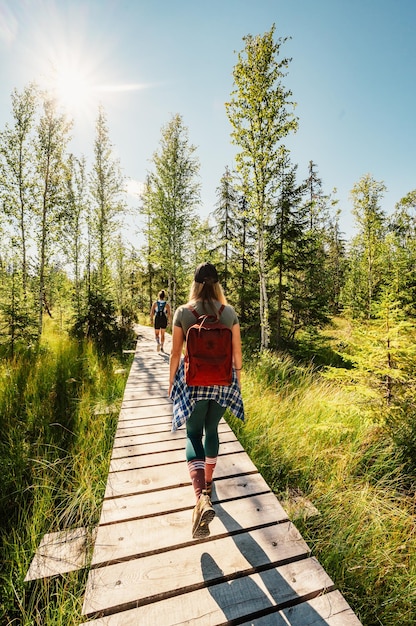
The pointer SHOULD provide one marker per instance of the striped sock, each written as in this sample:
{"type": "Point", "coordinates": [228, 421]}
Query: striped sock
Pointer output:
{"type": "Point", "coordinates": [210, 463]}
{"type": "Point", "coordinates": [196, 470]}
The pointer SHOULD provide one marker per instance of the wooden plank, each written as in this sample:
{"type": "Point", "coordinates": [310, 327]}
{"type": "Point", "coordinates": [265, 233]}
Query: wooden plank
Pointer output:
{"type": "Point", "coordinates": [160, 446]}
{"type": "Point", "coordinates": [146, 412]}
{"type": "Point", "coordinates": [232, 600]}
{"type": "Point", "coordinates": [159, 436]}
{"type": "Point", "coordinates": [156, 502]}
{"type": "Point", "coordinates": [161, 458]}
{"type": "Point", "coordinates": [137, 537]}
{"type": "Point", "coordinates": [170, 475]}
{"type": "Point", "coordinates": [61, 552]}
{"type": "Point", "coordinates": [124, 442]}
{"type": "Point", "coordinates": [143, 422]}
{"type": "Point", "coordinates": [141, 372]}
{"type": "Point", "coordinates": [146, 402]}
{"type": "Point", "coordinates": [141, 398]}
{"type": "Point", "coordinates": [149, 392]}
{"type": "Point", "coordinates": [331, 607]}
{"type": "Point", "coordinates": [137, 428]}
{"type": "Point", "coordinates": [148, 368]}
{"type": "Point", "coordinates": [151, 577]}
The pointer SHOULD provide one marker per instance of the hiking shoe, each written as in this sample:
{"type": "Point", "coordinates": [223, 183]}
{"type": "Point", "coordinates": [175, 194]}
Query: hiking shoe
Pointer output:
{"type": "Point", "coordinates": [202, 515]}
{"type": "Point", "coordinates": [158, 347]}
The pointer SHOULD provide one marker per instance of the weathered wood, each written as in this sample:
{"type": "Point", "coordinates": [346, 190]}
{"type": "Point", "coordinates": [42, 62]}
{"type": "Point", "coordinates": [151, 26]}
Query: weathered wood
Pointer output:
{"type": "Point", "coordinates": [201, 607]}
{"type": "Point", "coordinates": [254, 567]}
{"type": "Point", "coordinates": [164, 456]}
{"type": "Point", "coordinates": [149, 504]}
{"type": "Point", "coordinates": [234, 599]}
{"type": "Point", "coordinates": [148, 447]}
{"type": "Point", "coordinates": [135, 428]}
{"type": "Point", "coordinates": [170, 475]}
{"type": "Point", "coordinates": [163, 435]}
{"type": "Point", "coordinates": [139, 580]}
{"type": "Point", "coordinates": [61, 552]}
{"type": "Point", "coordinates": [147, 402]}
{"type": "Point", "coordinates": [146, 412]}
{"type": "Point", "coordinates": [134, 538]}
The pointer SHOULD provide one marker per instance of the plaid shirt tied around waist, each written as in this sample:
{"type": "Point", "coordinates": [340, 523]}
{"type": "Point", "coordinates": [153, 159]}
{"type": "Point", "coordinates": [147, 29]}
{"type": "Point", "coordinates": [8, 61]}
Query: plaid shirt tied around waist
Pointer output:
{"type": "Point", "coordinates": [184, 398]}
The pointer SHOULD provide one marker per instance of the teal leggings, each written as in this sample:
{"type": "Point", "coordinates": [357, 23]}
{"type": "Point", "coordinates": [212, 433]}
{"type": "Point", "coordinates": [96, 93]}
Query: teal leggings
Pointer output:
{"type": "Point", "coordinates": [206, 415]}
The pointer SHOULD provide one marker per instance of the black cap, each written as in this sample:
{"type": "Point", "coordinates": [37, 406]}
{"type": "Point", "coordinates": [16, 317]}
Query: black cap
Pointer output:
{"type": "Point", "coordinates": [206, 273]}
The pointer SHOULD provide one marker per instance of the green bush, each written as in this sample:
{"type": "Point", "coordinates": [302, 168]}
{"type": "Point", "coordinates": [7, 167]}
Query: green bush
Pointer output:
{"type": "Point", "coordinates": [100, 324]}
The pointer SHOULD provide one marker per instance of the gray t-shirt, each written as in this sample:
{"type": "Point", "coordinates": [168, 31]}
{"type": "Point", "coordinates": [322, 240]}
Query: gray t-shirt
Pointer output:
{"type": "Point", "coordinates": [185, 318]}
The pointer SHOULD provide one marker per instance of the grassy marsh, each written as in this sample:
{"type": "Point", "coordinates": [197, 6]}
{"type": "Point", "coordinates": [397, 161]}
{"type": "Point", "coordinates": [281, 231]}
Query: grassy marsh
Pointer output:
{"type": "Point", "coordinates": [54, 456]}
{"type": "Point", "coordinates": [309, 435]}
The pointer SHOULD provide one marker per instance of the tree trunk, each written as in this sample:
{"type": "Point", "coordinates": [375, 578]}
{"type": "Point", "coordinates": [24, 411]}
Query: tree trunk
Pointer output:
{"type": "Point", "coordinates": [264, 304]}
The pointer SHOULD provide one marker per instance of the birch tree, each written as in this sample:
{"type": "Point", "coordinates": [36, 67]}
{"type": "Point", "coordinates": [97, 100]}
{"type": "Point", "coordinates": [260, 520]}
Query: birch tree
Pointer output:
{"type": "Point", "coordinates": [17, 173]}
{"type": "Point", "coordinates": [75, 220]}
{"type": "Point", "coordinates": [148, 232]}
{"type": "Point", "coordinates": [51, 142]}
{"type": "Point", "coordinates": [261, 114]}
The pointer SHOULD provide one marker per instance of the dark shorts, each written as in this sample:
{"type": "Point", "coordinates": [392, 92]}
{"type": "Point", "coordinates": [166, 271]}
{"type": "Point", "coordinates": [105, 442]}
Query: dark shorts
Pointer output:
{"type": "Point", "coordinates": [161, 321]}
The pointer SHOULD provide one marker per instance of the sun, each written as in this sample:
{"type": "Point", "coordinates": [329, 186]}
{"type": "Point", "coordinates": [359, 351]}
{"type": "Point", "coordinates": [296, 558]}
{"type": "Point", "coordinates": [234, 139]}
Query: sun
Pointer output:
{"type": "Point", "coordinates": [72, 88]}
{"type": "Point", "coordinates": [71, 85]}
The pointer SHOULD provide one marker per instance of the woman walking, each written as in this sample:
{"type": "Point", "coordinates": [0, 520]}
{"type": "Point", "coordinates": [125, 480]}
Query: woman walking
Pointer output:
{"type": "Point", "coordinates": [160, 316]}
{"type": "Point", "coordinates": [201, 407]}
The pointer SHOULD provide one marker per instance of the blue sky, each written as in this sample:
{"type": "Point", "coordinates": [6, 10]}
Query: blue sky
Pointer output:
{"type": "Point", "coordinates": [352, 75]}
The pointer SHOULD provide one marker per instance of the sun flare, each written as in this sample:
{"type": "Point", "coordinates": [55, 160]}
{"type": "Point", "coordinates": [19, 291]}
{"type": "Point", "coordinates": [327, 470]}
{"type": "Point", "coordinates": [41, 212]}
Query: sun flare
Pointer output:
{"type": "Point", "coordinates": [72, 88]}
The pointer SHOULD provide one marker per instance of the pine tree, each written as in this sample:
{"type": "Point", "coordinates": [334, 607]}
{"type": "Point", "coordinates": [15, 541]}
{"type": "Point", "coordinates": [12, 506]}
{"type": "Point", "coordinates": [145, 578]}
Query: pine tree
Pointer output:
{"type": "Point", "coordinates": [172, 197]}
{"type": "Point", "coordinates": [365, 276]}
{"type": "Point", "coordinates": [285, 237]}
{"type": "Point", "coordinates": [225, 217]}
{"type": "Point", "coordinates": [402, 226]}
{"type": "Point", "coordinates": [336, 263]}
{"type": "Point", "coordinates": [107, 189]}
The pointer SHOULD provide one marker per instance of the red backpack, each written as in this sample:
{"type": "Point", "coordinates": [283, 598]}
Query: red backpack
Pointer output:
{"type": "Point", "coordinates": [208, 353]}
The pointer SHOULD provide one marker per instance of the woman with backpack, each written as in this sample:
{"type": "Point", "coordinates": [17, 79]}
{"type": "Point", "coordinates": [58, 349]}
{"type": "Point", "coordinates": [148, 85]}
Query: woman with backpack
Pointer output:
{"type": "Point", "coordinates": [160, 316]}
{"type": "Point", "coordinates": [201, 406]}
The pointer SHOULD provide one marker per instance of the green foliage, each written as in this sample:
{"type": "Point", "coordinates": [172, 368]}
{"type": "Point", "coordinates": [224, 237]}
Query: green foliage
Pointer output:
{"type": "Point", "coordinates": [171, 195]}
{"type": "Point", "coordinates": [309, 435]}
{"type": "Point", "coordinates": [401, 425]}
{"type": "Point", "coordinates": [260, 111]}
{"type": "Point", "coordinates": [366, 276]}
{"type": "Point", "coordinates": [101, 324]}
{"type": "Point", "coordinates": [54, 454]}
{"type": "Point", "coordinates": [17, 317]}
{"type": "Point", "coordinates": [106, 188]}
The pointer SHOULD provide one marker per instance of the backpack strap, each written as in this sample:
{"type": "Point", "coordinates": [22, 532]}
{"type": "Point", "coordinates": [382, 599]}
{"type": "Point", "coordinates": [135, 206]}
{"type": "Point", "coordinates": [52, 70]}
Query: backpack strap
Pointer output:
{"type": "Point", "coordinates": [220, 310]}
{"type": "Point", "coordinates": [191, 308]}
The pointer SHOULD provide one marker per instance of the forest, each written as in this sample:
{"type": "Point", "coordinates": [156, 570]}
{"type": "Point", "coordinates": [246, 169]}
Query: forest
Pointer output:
{"type": "Point", "coordinates": [328, 329]}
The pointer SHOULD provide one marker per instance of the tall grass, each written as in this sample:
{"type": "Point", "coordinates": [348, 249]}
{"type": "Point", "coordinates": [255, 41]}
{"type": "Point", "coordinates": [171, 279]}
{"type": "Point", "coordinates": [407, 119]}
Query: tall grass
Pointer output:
{"type": "Point", "coordinates": [54, 456]}
{"type": "Point", "coordinates": [307, 434]}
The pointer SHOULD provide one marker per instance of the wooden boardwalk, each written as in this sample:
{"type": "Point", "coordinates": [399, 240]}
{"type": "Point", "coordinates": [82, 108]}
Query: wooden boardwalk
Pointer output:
{"type": "Point", "coordinates": [254, 569]}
